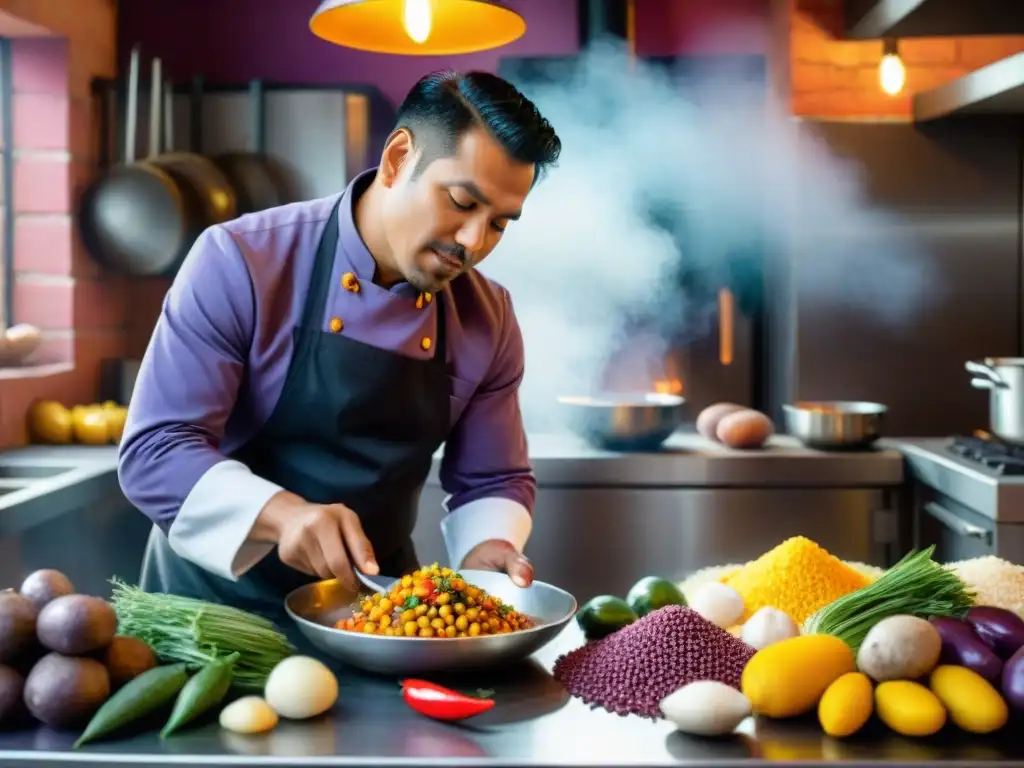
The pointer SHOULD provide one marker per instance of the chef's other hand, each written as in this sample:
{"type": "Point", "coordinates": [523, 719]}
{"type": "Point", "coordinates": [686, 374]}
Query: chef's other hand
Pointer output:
{"type": "Point", "coordinates": [500, 555]}
{"type": "Point", "coordinates": [324, 540]}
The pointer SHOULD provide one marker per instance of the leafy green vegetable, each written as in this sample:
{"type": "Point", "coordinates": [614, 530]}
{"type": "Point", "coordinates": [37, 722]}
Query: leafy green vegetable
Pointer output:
{"type": "Point", "coordinates": [915, 586]}
{"type": "Point", "coordinates": [194, 632]}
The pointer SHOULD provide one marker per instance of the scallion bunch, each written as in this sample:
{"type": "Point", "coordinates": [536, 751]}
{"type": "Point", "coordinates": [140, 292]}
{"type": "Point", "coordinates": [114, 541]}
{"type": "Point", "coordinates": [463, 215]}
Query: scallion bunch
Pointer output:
{"type": "Point", "coordinates": [183, 629]}
{"type": "Point", "coordinates": [915, 586]}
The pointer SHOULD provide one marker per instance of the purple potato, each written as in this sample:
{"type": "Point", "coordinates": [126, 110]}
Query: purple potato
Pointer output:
{"type": "Point", "coordinates": [962, 646]}
{"type": "Point", "coordinates": [1000, 629]}
{"type": "Point", "coordinates": [1013, 681]}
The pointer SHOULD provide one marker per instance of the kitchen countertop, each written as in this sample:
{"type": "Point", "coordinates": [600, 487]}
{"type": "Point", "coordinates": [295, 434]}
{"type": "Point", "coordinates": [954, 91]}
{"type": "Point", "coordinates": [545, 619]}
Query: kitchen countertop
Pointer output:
{"type": "Point", "coordinates": [535, 723]}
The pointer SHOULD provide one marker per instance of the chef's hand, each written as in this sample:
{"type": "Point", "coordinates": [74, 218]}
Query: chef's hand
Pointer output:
{"type": "Point", "coordinates": [500, 555]}
{"type": "Point", "coordinates": [324, 540]}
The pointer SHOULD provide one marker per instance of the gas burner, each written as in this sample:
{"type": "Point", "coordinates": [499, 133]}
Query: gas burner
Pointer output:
{"type": "Point", "coordinates": [991, 452]}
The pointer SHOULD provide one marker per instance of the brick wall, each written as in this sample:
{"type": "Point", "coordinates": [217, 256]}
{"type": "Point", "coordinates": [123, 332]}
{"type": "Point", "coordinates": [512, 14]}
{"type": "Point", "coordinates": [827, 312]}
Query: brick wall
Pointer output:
{"type": "Point", "coordinates": [85, 314]}
{"type": "Point", "coordinates": [830, 77]}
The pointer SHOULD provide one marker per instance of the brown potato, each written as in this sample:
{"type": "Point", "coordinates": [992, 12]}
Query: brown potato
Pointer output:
{"type": "Point", "coordinates": [126, 658]}
{"type": "Point", "coordinates": [707, 421]}
{"type": "Point", "coordinates": [745, 429]}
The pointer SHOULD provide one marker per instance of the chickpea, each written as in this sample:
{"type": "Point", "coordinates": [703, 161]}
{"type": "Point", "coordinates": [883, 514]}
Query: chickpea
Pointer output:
{"type": "Point", "coordinates": [426, 632]}
{"type": "Point", "coordinates": [385, 623]}
{"type": "Point", "coordinates": [506, 627]}
{"type": "Point", "coordinates": [408, 615]}
{"type": "Point", "coordinates": [420, 592]}
{"type": "Point", "coordinates": [446, 571]}
{"type": "Point", "coordinates": [444, 610]}
{"type": "Point", "coordinates": [461, 623]}
{"type": "Point", "coordinates": [458, 584]}
{"type": "Point", "coordinates": [386, 605]}
{"type": "Point", "coordinates": [494, 623]}
{"type": "Point", "coordinates": [389, 632]}
{"type": "Point", "coordinates": [406, 582]}
{"type": "Point", "coordinates": [437, 623]}
{"type": "Point", "coordinates": [474, 629]}
{"type": "Point", "coordinates": [410, 628]}
{"type": "Point", "coordinates": [449, 631]}
{"type": "Point", "coordinates": [374, 613]}
{"type": "Point", "coordinates": [420, 609]}
{"type": "Point", "coordinates": [449, 620]}
{"type": "Point", "coordinates": [461, 634]}
{"type": "Point", "coordinates": [444, 598]}
{"type": "Point", "coordinates": [423, 622]}
{"type": "Point", "coordinates": [470, 600]}
{"type": "Point", "coordinates": [365, 606]}
{"type": "Point", "coordinates": [472, 613]}
{"type": "Point", "coordinates": [432, 612]}
{"type": "Point", "coordinates": [369, 629]}
{"type": "Point", "coordinates": [460, 608]}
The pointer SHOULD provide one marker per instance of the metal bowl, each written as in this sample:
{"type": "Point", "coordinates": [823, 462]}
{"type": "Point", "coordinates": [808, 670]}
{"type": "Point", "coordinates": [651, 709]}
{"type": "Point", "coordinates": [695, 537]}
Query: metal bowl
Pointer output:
{"type": "Point", "coordinates": [315, 608]}
{"type": "Point", "coordinates": [640, 422]}
{"type": "Point", "coordinates": [835, 424]}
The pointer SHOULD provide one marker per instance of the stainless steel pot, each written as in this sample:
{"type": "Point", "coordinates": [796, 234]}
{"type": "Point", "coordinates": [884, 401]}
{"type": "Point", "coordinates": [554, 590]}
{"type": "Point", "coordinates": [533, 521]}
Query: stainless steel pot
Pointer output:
{"type": "Point", "coordinates": [1003, 377]}
{"type": "Point", "coordinates": [835, 424]}
{"type": "Point", "coordinates": [625, 422]}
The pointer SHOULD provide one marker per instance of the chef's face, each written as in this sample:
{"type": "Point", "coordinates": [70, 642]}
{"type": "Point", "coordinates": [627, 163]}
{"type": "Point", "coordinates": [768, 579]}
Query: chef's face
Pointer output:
{"type": "Point", "coordinates": [445, 218]}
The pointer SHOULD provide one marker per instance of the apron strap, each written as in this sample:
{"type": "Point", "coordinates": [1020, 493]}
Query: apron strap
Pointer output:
{"type": "Point", "coordinates": [320, 279]}
{"type": "Point", "coordinates": [440, 348]}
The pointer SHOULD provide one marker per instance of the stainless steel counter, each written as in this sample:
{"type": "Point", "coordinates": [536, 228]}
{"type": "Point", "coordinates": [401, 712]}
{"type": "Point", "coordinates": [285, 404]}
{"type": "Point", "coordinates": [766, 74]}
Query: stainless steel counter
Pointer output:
{"type": "Point", "coordinates": [689, 460]}
{"type": "Point", "coordinates": [535, 723]}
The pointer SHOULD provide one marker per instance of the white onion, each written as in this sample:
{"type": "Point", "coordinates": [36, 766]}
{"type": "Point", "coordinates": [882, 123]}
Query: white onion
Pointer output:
{"type": "Point", "coordinates": [718, 603]}
{"type": "Point", "coordinates": [706, 708]}
{"type": "Point", "coordinates": [767, 626]}
{"type": "Point", "coordinates": [301, 687]}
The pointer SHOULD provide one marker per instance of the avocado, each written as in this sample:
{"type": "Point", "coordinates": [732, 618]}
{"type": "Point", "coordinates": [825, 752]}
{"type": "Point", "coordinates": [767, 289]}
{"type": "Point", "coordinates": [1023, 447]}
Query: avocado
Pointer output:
{"type": "Point", "coordinates": [651, 593]}
{"type": "Point", "coordinates": [604, 614]}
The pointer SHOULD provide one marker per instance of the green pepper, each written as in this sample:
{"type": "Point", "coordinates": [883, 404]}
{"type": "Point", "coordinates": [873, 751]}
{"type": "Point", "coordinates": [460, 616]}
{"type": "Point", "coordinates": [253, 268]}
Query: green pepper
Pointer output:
{"type": "Point", "coordinates": [206, 689]}
{"type": "Point", "coordinates": [138, 698]}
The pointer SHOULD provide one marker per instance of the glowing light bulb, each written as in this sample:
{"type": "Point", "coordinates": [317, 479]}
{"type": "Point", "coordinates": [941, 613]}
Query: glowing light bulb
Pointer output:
{"type": "Point", "coordinates": [892, 75]}
{"type": "Point", "coordinates": [417, 18]}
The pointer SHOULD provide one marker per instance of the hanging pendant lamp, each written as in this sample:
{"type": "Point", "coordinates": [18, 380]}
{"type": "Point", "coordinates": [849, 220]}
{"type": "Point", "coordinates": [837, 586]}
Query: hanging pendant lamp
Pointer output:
{"type": "Point", "coordinates": [417, 27]}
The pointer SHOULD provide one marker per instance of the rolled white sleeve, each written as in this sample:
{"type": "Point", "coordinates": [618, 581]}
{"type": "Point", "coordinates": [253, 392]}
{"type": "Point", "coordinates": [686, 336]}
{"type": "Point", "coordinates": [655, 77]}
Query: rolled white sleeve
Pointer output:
{"type": "Point", "coordinates": [481, 520]}
{"type": "Point", "coordinates": [216, 517]}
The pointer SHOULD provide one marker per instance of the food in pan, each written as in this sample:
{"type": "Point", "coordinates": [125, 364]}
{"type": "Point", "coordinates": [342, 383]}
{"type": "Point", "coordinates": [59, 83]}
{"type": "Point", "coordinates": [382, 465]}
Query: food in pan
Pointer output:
{"type": "Point", "coordinates": [435, 602]}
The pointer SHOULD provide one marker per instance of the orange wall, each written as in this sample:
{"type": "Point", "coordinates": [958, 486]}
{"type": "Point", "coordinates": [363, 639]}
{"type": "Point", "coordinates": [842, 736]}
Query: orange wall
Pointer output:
{"type": "Point", "coordinates": [830, 77]}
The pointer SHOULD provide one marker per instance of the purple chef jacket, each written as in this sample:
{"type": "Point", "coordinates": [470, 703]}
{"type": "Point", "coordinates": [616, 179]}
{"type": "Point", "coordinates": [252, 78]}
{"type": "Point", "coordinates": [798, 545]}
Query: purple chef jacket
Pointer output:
{"type": "Point", "coordinates": [217, 361]}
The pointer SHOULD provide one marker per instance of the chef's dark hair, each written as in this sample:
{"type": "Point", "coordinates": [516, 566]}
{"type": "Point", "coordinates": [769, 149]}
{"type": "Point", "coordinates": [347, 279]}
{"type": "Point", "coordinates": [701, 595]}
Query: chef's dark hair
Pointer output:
{"type": "Point", "coordinates": [444, 105]}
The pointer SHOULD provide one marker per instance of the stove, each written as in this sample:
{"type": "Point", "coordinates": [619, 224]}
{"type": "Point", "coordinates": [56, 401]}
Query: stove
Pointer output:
{"type": "Point", "coordinates": [990, 452]}
{"type": "Point", "coordinates": [966, 495]}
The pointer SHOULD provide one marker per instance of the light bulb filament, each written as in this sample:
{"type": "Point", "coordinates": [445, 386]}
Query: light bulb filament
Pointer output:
{"type": "Point", "coordinates": [417, 19]}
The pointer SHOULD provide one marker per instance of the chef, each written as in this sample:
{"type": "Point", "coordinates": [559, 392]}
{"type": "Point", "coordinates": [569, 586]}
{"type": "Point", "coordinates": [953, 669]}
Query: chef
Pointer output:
{"type": "Point", "coordinates": [310, 359]}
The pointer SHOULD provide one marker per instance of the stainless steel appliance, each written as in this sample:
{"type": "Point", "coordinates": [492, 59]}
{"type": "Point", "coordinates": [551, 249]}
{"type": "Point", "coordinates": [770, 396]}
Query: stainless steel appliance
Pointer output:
{"type": "Point", "coordinates": [1004, 378]}
{"type": "Point", "coordinates": [967, 496]}
{"type": "Point", "coordinates": [603, 520]}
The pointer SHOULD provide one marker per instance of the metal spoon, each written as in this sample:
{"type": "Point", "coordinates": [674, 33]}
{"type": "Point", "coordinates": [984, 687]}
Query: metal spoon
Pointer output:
{"type": "Point", "coordinates": [382, 584]}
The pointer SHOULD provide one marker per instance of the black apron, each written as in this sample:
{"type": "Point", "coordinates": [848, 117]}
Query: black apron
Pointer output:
{"type": "Point", "coordinates": [355, 424]}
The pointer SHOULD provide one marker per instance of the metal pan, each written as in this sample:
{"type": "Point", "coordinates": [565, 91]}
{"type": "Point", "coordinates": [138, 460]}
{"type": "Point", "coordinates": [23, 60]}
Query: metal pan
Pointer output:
{"type": "Point", "coordinates": [142, 217]}
{"type": "Point", "coordinates": [616, 422]}
{"type": "Point", "coordinates": [259, 181]}
{"type": "Point", "coordinates": [315, 608]}
{"type": "Point", "coordinates": [835, 424]}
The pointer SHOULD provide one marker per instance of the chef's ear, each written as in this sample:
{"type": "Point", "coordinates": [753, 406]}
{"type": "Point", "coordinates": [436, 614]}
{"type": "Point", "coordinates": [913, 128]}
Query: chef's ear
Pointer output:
{"type": "Point", "coordinates": [399, 152]}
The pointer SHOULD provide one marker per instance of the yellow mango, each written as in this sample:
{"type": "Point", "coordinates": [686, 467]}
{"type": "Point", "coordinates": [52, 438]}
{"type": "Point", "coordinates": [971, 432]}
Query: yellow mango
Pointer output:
{"type": "Point", "coordinates": [846, 705]}
{"type": "Point", "coordinates": [909, 708]}
{"type": "Point", "coordinates": [971, 700]}
{"type": "Point", "coordinates": [788, 678]}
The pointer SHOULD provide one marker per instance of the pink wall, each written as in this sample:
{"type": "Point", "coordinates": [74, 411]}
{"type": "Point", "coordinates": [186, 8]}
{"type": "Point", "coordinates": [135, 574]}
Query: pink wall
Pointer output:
{"type": "Point", "coordinates": [231, 41]}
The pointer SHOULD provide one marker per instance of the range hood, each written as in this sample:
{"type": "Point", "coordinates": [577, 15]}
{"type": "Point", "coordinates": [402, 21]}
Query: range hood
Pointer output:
{"type": "Point", "coordinates": [873, 19]}
{"type": "Point", "coordinates": [996, 89]}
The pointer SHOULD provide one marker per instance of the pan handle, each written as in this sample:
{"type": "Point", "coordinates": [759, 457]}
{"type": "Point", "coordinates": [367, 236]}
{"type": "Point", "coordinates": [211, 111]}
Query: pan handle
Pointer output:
{"type": "Point", "coordinates": [155, 95]}
{"type": "Point", "coordinates": [983, 371]}
{"type": "Point", "coordinates": [979, 383]}
{"type": "Point", "coordinates": [131, 117]}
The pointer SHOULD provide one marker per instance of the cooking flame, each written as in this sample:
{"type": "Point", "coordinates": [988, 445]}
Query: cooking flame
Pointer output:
{"type": "Point", "coordinates": [668, 387]}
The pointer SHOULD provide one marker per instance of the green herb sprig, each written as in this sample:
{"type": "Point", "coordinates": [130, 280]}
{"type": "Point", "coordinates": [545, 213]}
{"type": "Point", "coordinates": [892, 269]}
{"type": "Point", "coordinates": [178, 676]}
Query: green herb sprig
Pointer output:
{"type": "Point", "coordinates": [916, 586]}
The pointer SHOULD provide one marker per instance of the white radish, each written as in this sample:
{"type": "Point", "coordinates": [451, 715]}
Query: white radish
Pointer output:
{"type": "Point", "coordinates": [301, 687]}
{"type": "Point", "coordinates": [767, 626]}
{"type": "Point", "coordinates": [249, 714]}
{"type": "Point", "coordinates": [718, 603]}
{"type": "Point", "coordinates": [706, 708]}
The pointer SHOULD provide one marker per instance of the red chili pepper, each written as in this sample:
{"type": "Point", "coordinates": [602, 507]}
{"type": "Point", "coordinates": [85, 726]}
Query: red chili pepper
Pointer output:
{"type": "Point", "coordinates": [441, 703]}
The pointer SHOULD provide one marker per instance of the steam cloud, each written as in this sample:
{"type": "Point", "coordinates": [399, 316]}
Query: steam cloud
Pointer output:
{"type": "Point", "coordinates": [665, 193]}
